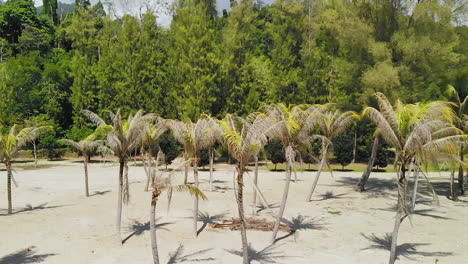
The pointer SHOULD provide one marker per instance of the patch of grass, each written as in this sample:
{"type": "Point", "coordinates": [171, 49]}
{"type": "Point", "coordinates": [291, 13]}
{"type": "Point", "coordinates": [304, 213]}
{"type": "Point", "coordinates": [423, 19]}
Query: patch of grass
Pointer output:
{"type": "Point", "coordinates": [334, 212]}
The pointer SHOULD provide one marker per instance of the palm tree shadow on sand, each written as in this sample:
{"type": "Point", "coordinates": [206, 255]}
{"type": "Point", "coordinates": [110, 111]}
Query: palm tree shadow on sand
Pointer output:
{"type": "Point", "coordinates": [407, 250]}
{"type": "Point", "coordinates": [39, 207]}
{"type": "Point", "coordinates": [206, 218]}
{"type": "Point", "coordinates": [297, 223]}
{"type": "Point", "coordinates": [178, 256]}
{"type": "Point", "coordinates": [138, 228]}
{"type": "Point", "coordinates": [26, 255]}
{"type": "Point", "coordinates": [266, 255]}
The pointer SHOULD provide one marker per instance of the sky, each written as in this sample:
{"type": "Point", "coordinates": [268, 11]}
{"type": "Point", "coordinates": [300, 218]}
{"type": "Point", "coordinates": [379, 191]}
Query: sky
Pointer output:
{"type": "Point", "coordinates": [133, 6]}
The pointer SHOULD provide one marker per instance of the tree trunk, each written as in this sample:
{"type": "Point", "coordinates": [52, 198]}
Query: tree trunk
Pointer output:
{"type": "Point", "coordinates": [211, 169]}
{"type": "Point", "coordinates": [283, 203]}
{"type": "Point", "coordinates": [360, 186]}
{"type": "Point", "coordinates": [240, 207]}
{"type": "Point", "coordinates": [453, 192]}
{"type": "Point", "coordinates": [401, 212]}
{"type": "Point", "coordinates": [460, 174]}
{"type": "Point", "coordinates": [255, 181]}
{"type": "Point", "coordinates": [355, 146]}
{"type": "Point", "coordinates": [186, 168]}
{"type": "Point", "coordinates": [35, 153]}
{"type": "Point", "coordinates": [322, 163]}
{"type": "Point", "coordinates": [85, 162]}
{"type": "Point", "coordinates": [195, 200]}
{"type": "Point", "coordinates": [120, 200]}
{"type": "Point", "coordinates": [415, 189]}
{"type": "Point", "coordinates": [9, 175]}
{"type": "Point", "coordinates": [147, 170]}
{"type": "Point", "coordinates": [154, 243]}
{"type": "Point", "coordinates": [126, 186]}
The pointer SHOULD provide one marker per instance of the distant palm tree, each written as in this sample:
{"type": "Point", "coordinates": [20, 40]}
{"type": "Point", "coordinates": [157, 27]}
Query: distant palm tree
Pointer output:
{"type": "Point", "coordinates": [151, 135]}
{"type": "Point", "coordinates": [243, 140]}
{"type": "Point", "coordinates": [293, 128]}
{"type": "Point", "coordinates": [10, 143]}
{"type": "Point", "coordinates": [87, 146]}
{"type": "Point", "coordinates": [415, 131]}
{"type": "Point", "coordinates": [196, 137]}
{"type": "Point", "coordinates": [123, 139]}
{"type": "Point", "coordinates": [160, 184]}
{"type": "Point", "coordinates": [330, 124]}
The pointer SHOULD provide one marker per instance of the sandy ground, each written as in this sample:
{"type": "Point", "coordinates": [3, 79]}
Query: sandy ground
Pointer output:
{"type": "Point", "coordinates": [55, 223]}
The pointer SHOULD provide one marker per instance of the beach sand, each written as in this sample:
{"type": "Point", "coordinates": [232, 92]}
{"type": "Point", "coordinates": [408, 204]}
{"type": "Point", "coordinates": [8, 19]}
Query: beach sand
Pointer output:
{"type": "Point", "coordinates": [55, 223]}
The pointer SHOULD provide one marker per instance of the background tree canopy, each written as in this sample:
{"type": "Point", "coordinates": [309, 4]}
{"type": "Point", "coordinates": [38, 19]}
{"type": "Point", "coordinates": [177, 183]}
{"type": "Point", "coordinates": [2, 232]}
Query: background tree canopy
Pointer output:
{"type": "Point", "coordinates": [54, 63]}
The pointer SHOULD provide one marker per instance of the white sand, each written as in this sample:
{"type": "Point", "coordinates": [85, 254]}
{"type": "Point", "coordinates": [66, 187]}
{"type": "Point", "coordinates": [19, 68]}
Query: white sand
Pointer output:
{"type": "Point", "coordinates": [75, 229]}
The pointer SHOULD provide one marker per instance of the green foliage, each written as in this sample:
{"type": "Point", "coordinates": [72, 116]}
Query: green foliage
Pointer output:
{"type": "Point", "coordinates": [275, 152]}
{"type": "Point", "coordinates": [343, 148]}
{"type": "Point", "coordinates": [293, 52]}
{"type": "Point", "coordinates": [204, 158]}
{"type": "Point", "coordinates": [168, 145]}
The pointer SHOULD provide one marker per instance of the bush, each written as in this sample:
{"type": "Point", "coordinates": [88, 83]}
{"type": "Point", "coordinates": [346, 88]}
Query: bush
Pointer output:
{"type": "Point", "coordinates": [78, 134]}
{"type": "Point", "coordinates": [169, 147]}
{"type": "Point", "coordinates": [204, 158]}
{"type": "Point", "coordinates": [50, 148]}
{"type": "Point", "coordinates": [275, 152]}
{"type": "Point", "coordinates": [343, 148]}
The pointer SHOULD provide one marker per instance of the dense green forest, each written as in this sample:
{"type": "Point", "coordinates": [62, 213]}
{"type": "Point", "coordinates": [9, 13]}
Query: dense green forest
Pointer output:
{"type": "Point", "coordinates": [52, 66]}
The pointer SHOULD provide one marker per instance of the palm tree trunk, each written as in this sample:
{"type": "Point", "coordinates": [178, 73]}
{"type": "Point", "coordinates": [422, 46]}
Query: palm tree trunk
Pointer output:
{"type": "Point", "coordinates": [360, 186]}
{"type": "Point", "coordinates": [283, 203]}
{"type": "Point", "coordinates": [154, 243]}
{"type": "Point", "coordinates": [148, 175]}
{"type": "Point", "coordinates": [186, 168]}
{"type": "Point", "coordinates": [240, 207]}
{"type": "Point", "coordinates": [453, 192]}
{"type": "Point", "coordinates": [211, 169]}
{"type": "Point", "coordinates": [9, 175]}
{"type": "Point", "coordinates": [195, 200]}
{"type": "Point", "coordinates": [126, 186]}
{"type": "Point", "coordinates": [120, 200]}
{"type": "Point", "coordinates": [255, 181]}
{"type": "Point", "coordinates": [322, 163]}
{"type": "Point", "coordinates": [35, 153]}
{"type": "Point", "coordinates": [460, 174]}
{"type": "Point", "coordinates": [85, 162]}
{"type": "Point", "coordinates": [401, 212]}
{"type": "Point", "coordinates": [415, 189]}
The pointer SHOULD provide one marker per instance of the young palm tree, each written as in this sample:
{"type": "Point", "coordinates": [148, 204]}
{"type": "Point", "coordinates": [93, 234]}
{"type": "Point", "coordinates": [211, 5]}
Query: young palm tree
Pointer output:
{"type": "Point", "coordinates": [151, 135]}
{"type": "Point", "coordinates": [195, 137]}
{"type": "Point", "coordinates": [331, 123]}
{"type": "Point", "coordinates": [415, 131]}
{"type": "Point", "coordinates": [87, 146]}
{"type": "Point", "coordinates": [11, 143]}
{"type": "Point", "coordinates": [243, 140]}
{"type": "Point", "coordinates": [160, 184]}
{"type": "Point", "coordinates": [460, 109]}
{"type": "Point", "coordinates": [293, 127]}
{"type": "Point", "coordinates": [123, 139]}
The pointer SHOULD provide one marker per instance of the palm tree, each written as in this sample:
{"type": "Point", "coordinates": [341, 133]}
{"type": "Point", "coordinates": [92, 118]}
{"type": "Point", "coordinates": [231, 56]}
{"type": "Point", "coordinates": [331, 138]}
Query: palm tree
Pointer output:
{"type": "Point", "coordinates": [195, 137]}
{"type": "Point", "coordinates": [11, 143]}
{"type": "Point", "coordinates": [86, 147]}
{"type": "Point", "coordinates": [330, 123]}
{"type": "Point", "coordinates": [160, 184]}
{"type": "Point", "coordinates": [293, 128]}
{"type": "Point", "coordinates": [125, 137]}
{"type": "Point", "coordinates": [360, 186]}
{"type": "Point", "coordinates": [151, 135]}
{"type": "Point", "coordinates": [243, 140]}
{"type": "Point", "coordinates": [415, 131]}
{"type": "Point", "coordinates": [460, 109]}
